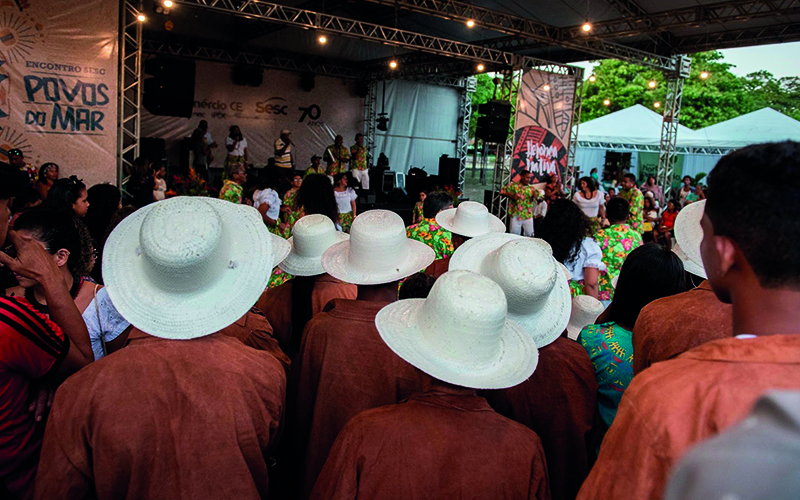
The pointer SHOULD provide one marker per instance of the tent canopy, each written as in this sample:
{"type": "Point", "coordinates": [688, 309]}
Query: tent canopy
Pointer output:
{"type": "Point", "coordinates": [635, 125]}
{"type": "Point", "coordinates": [764, 125]}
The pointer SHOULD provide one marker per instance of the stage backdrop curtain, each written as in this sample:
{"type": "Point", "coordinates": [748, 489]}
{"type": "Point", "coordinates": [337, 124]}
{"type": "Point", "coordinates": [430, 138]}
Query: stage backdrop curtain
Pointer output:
{"type": "Point", "coordinates": [422, 125]}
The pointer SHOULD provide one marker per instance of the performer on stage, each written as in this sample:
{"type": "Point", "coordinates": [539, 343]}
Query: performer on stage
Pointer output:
{"type": "Point", "coordinates": [315, 167]}
{"type": "Point", "coordinates": [284, 153]}
{"type": "Point", "coordinates": [337, 156]}
{"type": "Point", "coordinates": [359, 164]}
{"type": "Point", "coordinates": [236, 145]}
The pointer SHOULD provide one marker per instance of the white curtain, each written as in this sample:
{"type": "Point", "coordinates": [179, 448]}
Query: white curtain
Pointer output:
{"type": "Point", "coordinates": [695, 164]}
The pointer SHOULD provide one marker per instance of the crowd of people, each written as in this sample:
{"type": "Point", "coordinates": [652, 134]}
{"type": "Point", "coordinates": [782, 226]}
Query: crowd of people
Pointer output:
{"type": "Point", "coordinates": [276, 342]}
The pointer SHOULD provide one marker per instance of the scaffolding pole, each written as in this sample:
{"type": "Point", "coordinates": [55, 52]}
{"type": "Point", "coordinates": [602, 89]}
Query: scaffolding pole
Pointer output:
{"type": "Point", "coordinates": [502, 165]}
{"type": "Point", "coordinates": [462, 141]}
{"type": "Point", "coordinates": [370, 114]}
{"type": "Point", "coordinates": [129, 96]}
{"type": "Point", "coordinates": [570, 179]}
{"type": "Point", "coordinates": [671, 119]}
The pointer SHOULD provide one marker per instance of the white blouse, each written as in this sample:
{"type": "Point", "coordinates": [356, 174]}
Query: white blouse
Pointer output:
{"type": "Point", "coordinates": [238, 146]}
{"type": "Point", "coordinates": [590, 207]}
{"type": "Point", "coordinates": [589, 255]}
{"type": "Point", "coordinates": [271, 198]}
{"type": "Point", "coordinates": [344, 198]}
{"type": "Point", "coordinates": [103, 321]}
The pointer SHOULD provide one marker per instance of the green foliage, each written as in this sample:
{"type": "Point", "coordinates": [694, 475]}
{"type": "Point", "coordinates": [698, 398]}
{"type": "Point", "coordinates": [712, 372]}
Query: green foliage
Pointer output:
{"type": "Point", "coordinates": [483, 93]}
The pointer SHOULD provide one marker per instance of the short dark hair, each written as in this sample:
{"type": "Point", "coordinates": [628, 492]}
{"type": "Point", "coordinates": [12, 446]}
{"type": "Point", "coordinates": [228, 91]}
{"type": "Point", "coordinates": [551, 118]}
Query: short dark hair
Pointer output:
{"type": "Point", "coordinates": [416, 286]}
{"type": "Point", "coordinates": [649, 272]}
{"type": "Point", "coordinates": [58, 230]}
{"type": "Point", "coordinates": [629, 176]}
{"type": "Point", "coordinates": [523, 172]}
{"type": "Point", "coordinates": [617, 209]}
{"type": "Point", "coordinates": [359, 135]}
{"type": "Point", "coordinates": [12, 180]}
{"type": "Point", "coordinates": [435, 203]}
{"type": "Point", "coordinates": [760, 213]}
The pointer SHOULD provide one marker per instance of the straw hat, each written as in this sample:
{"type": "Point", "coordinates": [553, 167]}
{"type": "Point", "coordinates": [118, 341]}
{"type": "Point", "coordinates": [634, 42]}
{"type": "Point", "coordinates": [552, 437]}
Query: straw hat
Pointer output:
{"type": "Point", "coordinates": [533, 281]}
{"type": "Point", "coordinates": [311, 236]}
{"type": "Point", "coordinates": [187, 267]}
{"type": "Point", "coordinates": [689, 234]}
{"type": "Point", "coordinates": [460, 334]}
{"type": "Point", "coordinates": [585, 310]}
{"type": "Point", "coordinates": [378, 251]}
{"type": "Point", "coordinates": [470, 219]}
{"type": "Point", "coordinates": [280, 249]}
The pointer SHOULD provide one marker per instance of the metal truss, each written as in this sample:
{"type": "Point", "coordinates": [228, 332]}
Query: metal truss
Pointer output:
{"type": "Point", "coordinates": [370, 114]}
{"type": "Point", "coordinates": [669, 128]}
{"type": "Point", "coordinates": [502, 165]}
{"type": "Point", "coordinates": [267, 59]}
{"type": "Point", "coordinates": [747, 37]}
{"type": "Point", "coordinates": [577, 104]}
{"type": "Point", "coordinates": [652, 148]}
{"type": "Point", "coordinates": [464, 115]}
{"type": "Point", "coordinates": [129, 89]}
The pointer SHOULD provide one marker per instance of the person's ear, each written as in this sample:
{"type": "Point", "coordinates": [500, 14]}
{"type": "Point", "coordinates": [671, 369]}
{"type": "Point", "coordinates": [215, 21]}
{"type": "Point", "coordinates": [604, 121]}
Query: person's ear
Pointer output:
{"type": "Point", "coordinates": [62, 256]}
{"type": "Point", "coordinates": [726, 251]}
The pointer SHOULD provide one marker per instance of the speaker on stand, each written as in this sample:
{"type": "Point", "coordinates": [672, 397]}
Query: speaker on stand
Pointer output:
{"type": "Point", "coordinates": [493, 125]}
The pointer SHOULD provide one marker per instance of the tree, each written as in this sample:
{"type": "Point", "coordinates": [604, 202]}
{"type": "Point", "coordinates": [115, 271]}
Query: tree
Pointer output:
{"type": "Point", "coordinates": [483, 93]}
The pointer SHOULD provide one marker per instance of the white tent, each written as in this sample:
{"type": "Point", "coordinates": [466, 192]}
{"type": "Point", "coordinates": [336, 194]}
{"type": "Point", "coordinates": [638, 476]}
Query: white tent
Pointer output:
{"type": "Point", "coordinates": [764, 125]}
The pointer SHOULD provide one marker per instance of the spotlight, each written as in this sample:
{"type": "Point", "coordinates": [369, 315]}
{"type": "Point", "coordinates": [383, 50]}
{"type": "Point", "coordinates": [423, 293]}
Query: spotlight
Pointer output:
{"type": "Point", "coordinates": [704, 75]}
{"type": "Point", "coordinates": [546, 87]}
{"type": "Point", "coordinates": [393, 64]}
{"type": "Point", "coordinates": [656, 104]}
{"type": "Point", "coordinates": [587, 27]}
{"type": "Point", "coordinates": [141, 18]}
{"type": "Point", "coordinates": [470, 23]}
{"type": "Point", "coordinates": [481, 67]}
{"type": "Point", "coordinates": [607, 102]}
{"type": "Point", "coordinates": [322, 39]}
{"type": "Point", "coordinates": [168, 4]}
{"type": "Point", "coordinates": [592, 78]}
{"type": "Point", "coordinates": [652, 84]}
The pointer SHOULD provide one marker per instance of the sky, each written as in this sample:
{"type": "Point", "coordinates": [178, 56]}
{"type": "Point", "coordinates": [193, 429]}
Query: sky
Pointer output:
{"type": "Point", "coordinates": [779, 59]}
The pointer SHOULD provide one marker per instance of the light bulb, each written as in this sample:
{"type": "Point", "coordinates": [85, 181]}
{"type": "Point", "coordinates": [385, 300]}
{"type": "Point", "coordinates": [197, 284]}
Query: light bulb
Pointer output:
{"type": "Point", "coordinates": [322, 39]}
{"type": "Point", "coordinates": [656, 104]}
{"type": "Point", "coordinates": [704, 75]}
{"type": "Point", "coordinates": [607, 102]}
{"type": "Point", "coordinates": [546, 87]}
{"type": "Point", "coordinates": [168, 4]}
{"type": "Point", "coordinates": [141, 18]}
{"type": "Point", "coordinates": [592, 78]}
{"type": "Point", "coordinates": [393, 64]}
{"type": "Point", "coordinates": [481, 67]}
{"type": "Point", "coordinates": [652, 84]}
{"type": "Point", "coordinates": [470, 23]}
{"type": "Point", "coordinates": [587, 27]}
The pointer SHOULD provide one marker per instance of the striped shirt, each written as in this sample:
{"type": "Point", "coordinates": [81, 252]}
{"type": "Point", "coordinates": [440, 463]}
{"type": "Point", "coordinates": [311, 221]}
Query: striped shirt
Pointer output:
{"type": "Point", "coordinates": [284, 160]}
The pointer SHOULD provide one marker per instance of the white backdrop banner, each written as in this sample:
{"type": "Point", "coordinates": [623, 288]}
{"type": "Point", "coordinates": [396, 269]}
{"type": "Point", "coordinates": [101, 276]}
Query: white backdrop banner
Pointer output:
{"type": "Point", "coordinates": [314, 118]}
{"type": "Point", "coordinates": [58, 84]}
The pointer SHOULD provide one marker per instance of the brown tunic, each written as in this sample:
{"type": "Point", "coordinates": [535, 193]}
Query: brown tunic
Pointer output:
{"type": "Point", "coordinates": [434, 446]}
{"type": "Point", "coordinates": [253, 330]}
{"type": "Point", "coordinates": [673, 325]}
{"type": "Point", "coordinates": [438, 267]}
{"type": "Point", "coordinates": [559, 403]}
{"type": "Point", "coordinates": [344, 369]}
{"type": "Point", "coordinates": [165, 419]}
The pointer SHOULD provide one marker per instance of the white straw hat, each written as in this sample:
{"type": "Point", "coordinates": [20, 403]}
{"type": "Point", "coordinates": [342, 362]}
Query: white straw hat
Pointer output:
{"type": "Point", "coordinates": [377, 252]}
{"type": "Point", "coordinates": [689, 234]}
{"type": "Point", "coordinates": [585, 310]}
{"type": "Point", "coordinates": [470, 219]}
{"type": "Point", "coordinates": [280, 249]}
{"type": "Point", "coordinates": [460, 334]}
{"type": "Point", "coordinates": [187, 267]}
{"type": "Point", "coordinates": [534, 283]}
{"type": "Point", "coordinates": [311, 236]}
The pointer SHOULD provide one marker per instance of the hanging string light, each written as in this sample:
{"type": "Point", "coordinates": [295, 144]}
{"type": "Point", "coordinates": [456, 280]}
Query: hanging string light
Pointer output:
{"type": "Point", "coordinates": [704, 75]}
{"type": "Point", "coordinates": [652, 84]}
{"type": "Point", "coordinates": [480, 67]}
{"type": "Point", "coordinates": [141, 18]}
{"type": "Point", "coordinates": [546, 87]}
{"type": "Point", "coordinates": [322, 39]}
{"type": "Point", "coordinates": [607, 102]}
{"type": "Point", "coordinates": [393, 64]}
{"type": "Point", "coordinates": [470, 23]}
{"type": "Point", "coordinates": [656, 104]}
{"type": "Point", "coordinates": [592, 78]}
{"type": "Point", "coordinates": [587, 27]}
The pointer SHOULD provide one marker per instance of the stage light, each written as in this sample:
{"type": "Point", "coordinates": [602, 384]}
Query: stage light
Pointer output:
{"type": "Point", "coordinates": [652, 84]}
{"type": "Point", "coordinates": [656, 104]}
{"type": "Point", "coordinates": [607, 102]}
{"type": "Point", "coordinates": [587, 27]}
{"type": "Point", "coordinates": [168, 4]}
{"type": "Point", "coordinates": [592, 78]}
{"type": "Point", "coordinates": [481, 67]}
{"type": "Point", "coordinates": [470, 23]}
{"type": "Point", "coordinates": [546, 87]}
{"type": "Point", "coordinates": [322, 39]}
{"type": "Point", "coordinates": [141, 18]}
{"type": "Point", "coordinates": [704, 75]}
{"type": "Point", "coordinates": [393, 64]}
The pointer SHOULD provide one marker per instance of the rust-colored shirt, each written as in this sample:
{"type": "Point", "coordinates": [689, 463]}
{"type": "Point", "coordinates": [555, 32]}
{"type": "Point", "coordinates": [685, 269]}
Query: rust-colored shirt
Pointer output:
{"type": "Point", "coordinates": [675, 404]}
{"type": "Point", "coordinates": [435, 446]}
{"type": "Point", "coordinates": [344, 369]}
{"type": "Point", "coordinates": [673, 325]}
{"type": "Point", "coordinates": [165, 419]}
{"type": "Point", "coordinates": [276, 304]}
{"type": "Point", "coordinates": [253, 330]}
{"type": "Point", "coordinates": [559, 403]}
{"type": "Point", "coordinates": [438, 267]}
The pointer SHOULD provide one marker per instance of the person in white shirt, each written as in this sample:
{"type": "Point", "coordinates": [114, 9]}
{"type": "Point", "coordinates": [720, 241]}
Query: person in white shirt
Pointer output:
{"type": "Point", "coordinates": [268, 203]}
{"type": "Point", "coordinates": [345, 199]}
{"type": "Point", "coordinates": [589, 198]}
{"type": "Point", "coordinates": [159, 193]}
{"type": "Point", "coordinates": [237, 148]}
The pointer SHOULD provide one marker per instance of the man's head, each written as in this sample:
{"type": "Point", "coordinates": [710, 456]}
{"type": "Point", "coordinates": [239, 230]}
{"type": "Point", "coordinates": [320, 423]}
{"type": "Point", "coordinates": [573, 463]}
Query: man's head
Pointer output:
{"type": "Point", "coordinates": [203, 125]}
{"type": "Point", "coordinates": [238, 173]}
{"type": "Point", "coordinates": [687, 181]}
{"type": "Point", "coordinates": [435, 203]}
{"type": "Point", "coordinates": [525, 177]}
{"type": "Point", "coordinates": [315, 160]}
{"type": "Point", "coordinates": [751, 224]}
{"type": "Point", "coordinates": [12, 181]}
{"type": "Point", "coordinates": [628, 181]}
{"type": "Point", "coordinates": [339, 140]}
{"type": "Point", "coordinates": [16, 158]}
{"type": "Point", "coordinates": [617, 210]}
{"type": "Point", "coordinates": [285, 133]}
{"type": "Point", "coordinates": [360, 139]}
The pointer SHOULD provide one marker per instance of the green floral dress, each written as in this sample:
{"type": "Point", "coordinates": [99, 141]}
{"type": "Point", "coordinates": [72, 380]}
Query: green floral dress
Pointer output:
{"type": "Point", "coordinates": [231, 191]}
{"type": "Point", "coordinates": [521, 208]}
{"type": "Point", "coordinates": [417, 213]}
{"type": "Point", "coordinates": [359, 157]}
{"type": "Point", "coordinates": [435, 236]}
{"type": "Point", "coordinates": [312, 170]}
{"type": "Point", "coordinates": [341, 155]}
{"type": "Point", "coordinates": [616, 242]}
{"type": "Point", "coordinates": [290, 200]}
{"type": "Point", "coordinates": [278, 278]}
{"type": "Point", "coordinates": [636, 200]}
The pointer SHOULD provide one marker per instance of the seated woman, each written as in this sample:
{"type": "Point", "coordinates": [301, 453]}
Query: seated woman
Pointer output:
{"type": "Point", "coordinates": [650, 272]}
{"type": "Point", "coordinates": [664, 236]}
{"type": "Point", "coordinates": [58, 233]}
{"type": "Point", "coordinates": [650, 215]}
{"type": "Point", "coordinates": [289, 209]}
{"type": "Point", "coordinates": [48, 174]}
{"type": "Point", "coordinates": [566, 229]}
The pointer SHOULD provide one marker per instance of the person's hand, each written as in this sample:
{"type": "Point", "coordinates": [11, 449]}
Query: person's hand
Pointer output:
{"type": "Point", "coordinates": [42, 402]}
{"type": "Point", "coordinates": [32, 259]}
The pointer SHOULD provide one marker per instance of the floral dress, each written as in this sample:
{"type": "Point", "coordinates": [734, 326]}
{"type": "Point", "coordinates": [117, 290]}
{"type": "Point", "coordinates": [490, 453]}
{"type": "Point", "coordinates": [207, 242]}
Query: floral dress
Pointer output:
{"type": "Point", "coordinates": [359, 157]}
{"type": "Point", "coordinates": [616, 242]}
{"type": "Point", "coordinates": [636, 200]}
{"type": "Point", "coordinates": [417, 213]}
{"type": "Point", "coordinates": [312, 171]}
{"type": "Point", "coordinates": [278, 278]}
{"type": "Point", "coordinates": [432, 234]}
{"type": "Point", "coordinates": [231, 191]}
{"type": "Point", "coordinates": [521, 209]}
{"type": "Point", "coordinates": [337, 158]}
{"type": "Point", "coordinates": [290, 200]}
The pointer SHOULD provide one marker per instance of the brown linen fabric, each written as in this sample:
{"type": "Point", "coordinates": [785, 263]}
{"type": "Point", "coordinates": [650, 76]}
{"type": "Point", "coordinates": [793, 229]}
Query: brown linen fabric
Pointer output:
{"type": "Point", "coordinates": [676, 403]}
{"type": "Point", "coordinates": [559, 403]}
{"type": "Point", "coordinates": [253, 330]}
{"type": "Point", "coordinates": [344, 369]}
{"type": "Point", "coordinates": [276, 303]}
{"type": "Point", "coordinates": [673, 325]}
{"type": "Point", "coordinates": [165, 419]}
{"type": "Point", "coordinates": [434, 446]}
{"type": "Point", "coordinates": [438, 267]}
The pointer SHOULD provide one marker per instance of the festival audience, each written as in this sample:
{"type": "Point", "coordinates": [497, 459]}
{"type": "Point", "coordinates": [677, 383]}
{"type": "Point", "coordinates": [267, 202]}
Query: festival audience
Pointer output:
{"type": "Point", "coordinates": [616, 241]}
{"type": "Point", "coordinates": [468, 220]}
{"type": "Point", "coordinates": [267, 201]}
{"type": "Point", "coordinates": [315, 196]}
{"type": "Point", "coordinates": [68, 196]}
{"type": "Point", "coordinates": [416, 286]}
{"type": "Point", "coordinates": [635, 198]}
{"type": "Point", "coordinates": [345, 199]}
{"type": "Point", "coordinates": [429, 231]}
{"type": "Point", "coordinates": [289, 208]}
{"type": "Point", "coordinates": [233, 187]}
{"type": "Point", "coordinates": [48, 174]}
{"type": "Point", "coordinates": [685, 191]}
{"type": "Point", "coordinates": [417, 215]}
{"type": "Point", "coordinates": [650, 186]}
{"type": "Point", "coordinates": [650, 218]}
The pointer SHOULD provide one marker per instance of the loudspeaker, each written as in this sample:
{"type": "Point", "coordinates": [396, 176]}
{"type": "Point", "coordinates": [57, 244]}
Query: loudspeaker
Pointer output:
{"type": "Point", "coordinates": [493, 125]}
{"type": "Point", "coordinates": [307, 82]}
{"type": "Point", "coordinates": [252, 76]}
{"type": "Point", "coordinates": [170, 90]}
{"type": "Point", "coordinates": [362, 89]}
{"type": "Point", "coordinates": [153, 148]}
{"type": "Point", "coordinates": [448, 170]}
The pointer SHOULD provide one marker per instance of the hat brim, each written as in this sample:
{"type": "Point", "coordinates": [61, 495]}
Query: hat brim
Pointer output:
{"type": "Point", "coordinates": [417, 256]}
{"type": "Point", "coordinates": [545, 325]}
{"type": "Point", "coordinates": [187, 315]}
{"type": "Point", "coordinates": [446, 219]}
{"type": "Point", "coordinates": [306, 266]}
{"type": "Point", "coordinates": [397, 325]}
{"type": "Point", "coordinates": [689, 234]}
{"type": "Point", "coordinates": [689, 265]}
{"type": "Point", "coordinates": [280, 249]}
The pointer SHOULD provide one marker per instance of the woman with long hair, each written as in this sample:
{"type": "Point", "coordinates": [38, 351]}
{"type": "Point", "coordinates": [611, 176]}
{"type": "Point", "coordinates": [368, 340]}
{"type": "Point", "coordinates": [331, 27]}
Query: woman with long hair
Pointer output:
{"type": "Point", "coordinates": [651, 187]}
{"type": "Point", "coordinates": [68, 196]}
{"type": "Point", "coordinates": [104, 201]}
{"type": "Point", "coordinates": [589, 198]}
{"type": "Point", "coordinates": [268, 203]}
{"type": "Point", "coordinates": [316, 196]}
{"type": "Point", "coordinates": [345, 199]}
{"type": "Point", "coordinates": [48, 174]}
{"type": "Point", "coordinates": [566, 229]}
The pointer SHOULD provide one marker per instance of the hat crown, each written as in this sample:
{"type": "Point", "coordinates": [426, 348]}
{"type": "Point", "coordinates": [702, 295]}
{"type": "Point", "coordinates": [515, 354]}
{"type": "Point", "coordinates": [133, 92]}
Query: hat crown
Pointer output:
{"type": "Point", "coordinates": [525, 270]}
{"type": "Point", "coordinates": [463, 318]}
{"type": "Point", "coordinates": [312, 235]}
{"type": "Point", "coordinates": [377, 241]}
{"type": "Point", "coordinates": [471, 214]}
{"type": "Point", "coordinates": [182, 245]}
{"type": "Point", "coordinates": [689, 232]}
{"type": "Point", "coordinates": [585, 309]}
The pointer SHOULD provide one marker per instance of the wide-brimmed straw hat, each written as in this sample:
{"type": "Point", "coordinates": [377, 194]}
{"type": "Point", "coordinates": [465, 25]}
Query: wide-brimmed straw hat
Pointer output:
{"type": "Point", "coordinates": [689, 234]}
{"type": "Point", "coordinates": [585, 310]}
{"type": "Point", "coordinates": [534, 283]}
{"type": "Point", "coordinates": [470, 219]}
{"type": "Point", "coordinates": [460, 334]}
{"type": "Point", "coordinates": [377, 252]}
{"type": "Point", "coordinates": [280, 249]}
{"type": "Point", "coordinates": [187, 267]}
{"type": "Point", "coordinates": [311, 236]}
